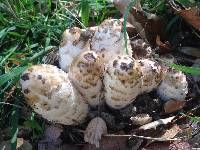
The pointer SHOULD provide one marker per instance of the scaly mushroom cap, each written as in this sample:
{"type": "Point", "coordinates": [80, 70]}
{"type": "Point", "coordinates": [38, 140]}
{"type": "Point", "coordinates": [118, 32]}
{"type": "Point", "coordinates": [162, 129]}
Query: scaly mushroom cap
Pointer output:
{"type": "Point", "coordinates": [122, 81]}
{"type": "Point", "coordinates": [50, 93]}
{"type": "Point", "coordinates": [85, 73]}
{"type": "Point", "coordinates": [108, 40]}
{"type": "Point", "coordinates": [174, 86]}
{"type": "Point", "coordinates": [151, 75]}
{"type": "Point", "coordinates": [73, 42]}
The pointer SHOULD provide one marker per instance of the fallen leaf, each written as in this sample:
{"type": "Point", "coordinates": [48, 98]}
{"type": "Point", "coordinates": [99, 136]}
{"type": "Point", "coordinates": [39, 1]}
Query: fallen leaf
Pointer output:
{"type": "Point", "coordinates": [176, 145]}
{"type": "Point", "coordinates": [192, 16]}
{"type": "Point", "coordinates": [137, 143]}
{"type": "Point", "coordinates": [52, 132]}
{"type": "Point", "coordinates": [147, 25]}
{"type": "Point", "coordinates": [51, 138]}
{"type": "Point", "coordinates": [191, 51]}
{"type": "Point", "coordinates": [21, 145]}
{"type": "Point", "coordinates": [173, 105]}
{"type": "Point", "coordinates": [110, 143]}
{"type": "Point", "coordinates": [163, 47]}
{"type": "Point", "coordinates": [171, 133]}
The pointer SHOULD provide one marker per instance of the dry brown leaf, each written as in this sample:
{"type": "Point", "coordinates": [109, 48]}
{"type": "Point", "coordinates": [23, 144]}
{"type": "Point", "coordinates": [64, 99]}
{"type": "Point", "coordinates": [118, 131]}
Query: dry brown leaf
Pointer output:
{"type": "Point", "coordinates": [21, 145]}
{"type": "Point", "coordinates": [94, 131]}
{"type": "Point", "coordinates": [110, 143]}
{"type": "Point", "coordinates": [171, 133]}
{"type": "Point", "coordinates": [173, 106]}
{"type": "Point", "coordinates": [147, 25]}
{"type": "Point", "coordinates": [177, 145]}
{"type": "Point", "coordinates": [53, 132]}
{"type": "Point", "coordinates": [164, 47]}
{"type": "Point", "coordinates": [167, 134]}
{"type": "Point", "coordinates": [192, 16]}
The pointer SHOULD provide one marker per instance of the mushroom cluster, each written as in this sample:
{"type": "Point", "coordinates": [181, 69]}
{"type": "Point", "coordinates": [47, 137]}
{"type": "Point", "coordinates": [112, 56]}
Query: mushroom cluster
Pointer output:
{"type": "Point", "coordinates": [96, 70]}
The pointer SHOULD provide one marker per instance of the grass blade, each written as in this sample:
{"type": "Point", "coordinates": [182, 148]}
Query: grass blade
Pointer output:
{"type": "Point", "coordinates": [190, 70]}
{"type": "Point", "coordinates": [8, 76]}
{"type": "Point", "coordinates": [14, 129]}
{"type": "Point", "coordinates": [85, 12]}
{"type": "Point", "coordinates": [12, 50]}
{"type": "Point", "coordinates": [132, 3]}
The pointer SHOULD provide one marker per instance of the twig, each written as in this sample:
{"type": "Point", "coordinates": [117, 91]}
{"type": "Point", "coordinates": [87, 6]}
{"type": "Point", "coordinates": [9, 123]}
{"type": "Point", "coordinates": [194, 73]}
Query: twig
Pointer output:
{"type": "Point", "coordinates": [144, 137]}
{"type": "Point", "coordinates": [4, 103]}
{"type": "Point", "coordinates": [187, 114]}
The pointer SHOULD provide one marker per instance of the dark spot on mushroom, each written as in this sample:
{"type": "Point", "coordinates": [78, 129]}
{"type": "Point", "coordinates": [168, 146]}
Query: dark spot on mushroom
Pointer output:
{"type": "Point", "coordinates": [89, 57]}
{"type": "Point", "coordinates": [39, 77]}
{"type": "Point", "coordinates": [25, 76]}
{"type": "Point", "coordinates": [43, 81]}
{"type": "Point", "coordinates": [103, 49]}
{"type": "Point", "coordinates": [94, 96]}
{"type": "Point", "coordinates": [75, 42]}
{"type": "Point", "coordinates": [141, 63]}
{"type": "Point", "coordinates": [56, 107]}
{"type": "Point", "coordinates": [123, 81]}
{"type": "Point", "coordinates": [89, 71]}
{"type": "Point", "coordinates": [115, 63]}
{"type": "Point", "coordinates": [154, 70]}
{"type": "Point", "coordinates": [30, 69]}
{"type": "Point", "coordinates": [125, 66]}
{"type": "Point", "coordinates": [46, 106]}
{"type": "Point", "coordinates": [102, 55]}
{"type": "Point", "coordinates": [125, 58]}
{"type": "Point", "coordinates": [116, 72]}
{"type": "Point", "coordinates": [26, 91]}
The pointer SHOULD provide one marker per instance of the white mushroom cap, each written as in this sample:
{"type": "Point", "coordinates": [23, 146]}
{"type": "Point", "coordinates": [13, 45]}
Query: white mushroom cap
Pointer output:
{"type": "Point", "coordinates": [122, 82]}
{"type": "Point", "coordinates": [50, 93]}
{"type": "Point", "coordinates": [72, 44]}
{"type": "Point", "coordinates": [85, 73]}
{"type": "Point", "coordinates": [174, 86]}
{"type": "Point", "coordinates": [151, 75]}
{"type": "Point", "coordinates": [108, 40]}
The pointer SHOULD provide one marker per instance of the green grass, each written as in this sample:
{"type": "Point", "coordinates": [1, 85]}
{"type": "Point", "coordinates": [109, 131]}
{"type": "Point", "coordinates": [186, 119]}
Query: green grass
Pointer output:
{"type": "Point", "coordinates": [28, 30]}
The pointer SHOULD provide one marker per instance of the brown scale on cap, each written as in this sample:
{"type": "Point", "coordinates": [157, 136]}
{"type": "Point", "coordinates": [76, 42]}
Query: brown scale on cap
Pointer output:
{"type": "Point", "coordinates": [86, 73]}
{"type": "Point", "coordinates": [121, 81]}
